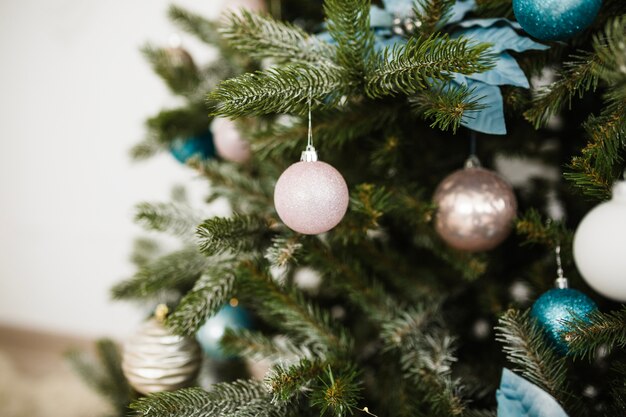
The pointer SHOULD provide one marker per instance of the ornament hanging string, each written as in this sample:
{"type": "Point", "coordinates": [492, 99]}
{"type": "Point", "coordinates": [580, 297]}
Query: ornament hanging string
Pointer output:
{"type": "Point", "coordinates": [309, 154]}
{"type": "Point", "coordinates": [309, 144]}
{"type": "Point", "coordinates": [561, 281]}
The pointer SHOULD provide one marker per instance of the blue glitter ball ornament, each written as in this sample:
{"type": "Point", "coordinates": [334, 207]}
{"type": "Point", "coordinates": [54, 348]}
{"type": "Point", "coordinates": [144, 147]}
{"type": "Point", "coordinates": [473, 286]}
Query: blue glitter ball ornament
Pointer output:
{"type": "Point", "coordinates": [557, 306]}
{"type": "Point", "coordinates": [228, 317]}
{"type": "Point", "coordinates": [200, 146]}
{"type": "Point", "coordinates": [553, 20]}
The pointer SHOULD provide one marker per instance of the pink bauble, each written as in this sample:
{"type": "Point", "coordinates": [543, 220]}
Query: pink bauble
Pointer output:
{"type": "Point", "coordinates": [311, 197]}
{"type": "Point", "coordinates": [228, 141]}
{"type": "Point", "coordinates": [250, 5]}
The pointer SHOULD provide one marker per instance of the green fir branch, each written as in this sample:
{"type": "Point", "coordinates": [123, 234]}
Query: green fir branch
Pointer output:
{"type": "Point", "coordinates": [586, 335]}
{"type": "Point", "coordinates": [348, 23]}
{"type": "Point", "coordinates": [288, 381]}
{"type": "Point", "coordinates": [238, 233]}
{"type": "Point", "coordinates": [242, 398]}
{"type": "Point", "coordinates": [106, 376]}
{"type": "Point", "coordinates": [210, 292]}
{"type": "Point", "coordinates": [177, 270]}
{"type": "Point", "coordinates": [257, 346]}
{"type": "Point", "coordinates": [181, 122]}
{"type": "Point", "coordinates": [412, 67]}
{"type": "Point", "coordinates": [432, 15]}
{"type": "Point", "coordinates": [175, 66]}
{"type": "Point", "coordinates": [526, 347]}
{"type": "Point", "coordinates": [532, 226]}
{"type": "Point", "coordinates": [284, 250]}
{"type": "Point", "coordinates": [195, 24]}
{"type": "Point", "coordinates": [287, 89]}
{"type": "Point", "coordinates": [338, 392]}
{"type": "Point", "coordinates": [262, 37]}
{"type": "Point", "coordinates": [175, 218]}
{"type": "Point", "coordinates": [445, 107]}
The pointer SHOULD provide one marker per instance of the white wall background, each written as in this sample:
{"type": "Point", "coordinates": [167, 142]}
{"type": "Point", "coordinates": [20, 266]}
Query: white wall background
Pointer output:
{"type": "Point", "coordinates": [74, 92]}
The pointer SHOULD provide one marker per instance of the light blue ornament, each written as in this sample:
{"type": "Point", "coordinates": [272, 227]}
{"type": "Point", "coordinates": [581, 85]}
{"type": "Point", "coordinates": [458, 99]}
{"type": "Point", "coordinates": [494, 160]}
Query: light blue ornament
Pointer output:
{"type": "Point", "coordinates": [555, 308]}
{"type": "Point", "coordinates": [200, 146]}
{"type": "Point", "coordinates": [518, 397]}
{"type": "Point", "coordinates": [552, 20]}
{"type": "Point", "coordinates": [211, 332]}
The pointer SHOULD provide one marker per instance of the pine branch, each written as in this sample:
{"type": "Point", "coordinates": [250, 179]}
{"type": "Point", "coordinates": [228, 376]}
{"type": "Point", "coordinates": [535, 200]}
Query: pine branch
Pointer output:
{"type": "Point", "coordinates": [300, 319]}
{"type": "Point", "coordinates": [175, 67]}
{"type": "Point", "coordinates": [239, 233]}
{"type": "Point", "coordinates": [586, 335]}
{"type": "Point", "coordinates": [241, 398]}
{"type": "Point", "coordinates": [412, 67]}
{"type": "Point", "coordinates": [286, 382]}
{"type": "Point", "coordinates": [526, 347]}
{"type": "Point", "coordinates": [337, 392]}
{"type": "Point", "coordinates": [176, 270]}
{"type": "Point", "coordinates": [105, 377]}
{"type": "Point", "coordinates": [446, 106]}
{"type": "Point", "coordinates": [174, 218]}
{"type": "Point", "coordinates": [209, 294]}
{"type": "Point", "coordinates": [532, 226]}
{"type": "Point", "coordinates": [257, 346]}
{"type": "Point", "coordinates": [579, 75]}
{"type": "Point", "coordinates": [192, 23]}
{"type": "Point", "coordinates": [182, 122]}
{"type": "Point", "coordinates": [348, 23]}
{"type": "Point", "coordinates": [432, 15]}
{"type": "Point", "coordinates": [284, 250]}
{"type": "Point", "coordinates": [408, 323]}
{"type": "Point", "coordinates": [287, 89]}
{"type": "Point", "coordinates": [262, 37]}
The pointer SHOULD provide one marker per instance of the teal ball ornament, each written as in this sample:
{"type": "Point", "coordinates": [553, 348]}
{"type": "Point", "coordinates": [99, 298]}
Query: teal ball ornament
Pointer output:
{"type": "Point", "coordinates": [196, 146]}
{"type": "Point", "coordinates": [555, 20]}
{"type": "Point", "coordinates": [555, 307]}
{"type": "Point", "coordinates": [228, 317]}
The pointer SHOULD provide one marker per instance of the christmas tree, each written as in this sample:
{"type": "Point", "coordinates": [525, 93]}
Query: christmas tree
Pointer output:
{"type": "Point", "coordinates": [439, 276]}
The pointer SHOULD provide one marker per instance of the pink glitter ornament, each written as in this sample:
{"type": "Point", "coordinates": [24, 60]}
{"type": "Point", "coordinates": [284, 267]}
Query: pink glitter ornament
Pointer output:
{"type": "Point", "coordinates": [311, 196]}
{"type": "Point", "coordinates": [228, 141]}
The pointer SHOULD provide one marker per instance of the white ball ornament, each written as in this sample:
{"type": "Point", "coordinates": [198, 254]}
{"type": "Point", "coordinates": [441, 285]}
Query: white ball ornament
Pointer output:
{"type": "Point", "coordinates": [228, 141]}
{"type": "Point", "coordinates": [599, 245]}
{"type": "Point", "coordinates": [311, 196]}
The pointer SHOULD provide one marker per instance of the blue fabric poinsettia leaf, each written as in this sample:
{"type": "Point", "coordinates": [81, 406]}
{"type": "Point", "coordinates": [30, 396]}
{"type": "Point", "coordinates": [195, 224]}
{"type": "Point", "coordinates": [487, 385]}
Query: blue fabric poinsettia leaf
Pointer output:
{"type": "Point", "coordinates": [502, 38]}
{"type": "Point", "coordinates": [490, 118]}
{"type": "Point", "coordinates": [380, 18]}
{"type": "Point", "coordinates": [489, 22]}
{"type": "Point", "coordinates": [460, 9]}
{"type": "Point", "coordinates": [506, 72]}
{"type": "Point", "coordinates": [518, 397]}
{"type": "Point", "coordinates": [400, 8]}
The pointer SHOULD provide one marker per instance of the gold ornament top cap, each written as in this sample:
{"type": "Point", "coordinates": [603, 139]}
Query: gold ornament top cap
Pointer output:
{"type": "Point", "coordinates": [160, 312]}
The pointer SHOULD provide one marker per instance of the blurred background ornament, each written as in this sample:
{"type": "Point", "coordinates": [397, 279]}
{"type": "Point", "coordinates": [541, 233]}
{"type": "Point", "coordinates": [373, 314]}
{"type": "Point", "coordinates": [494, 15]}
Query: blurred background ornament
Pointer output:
{"type": "Point", "coordinates": [199, 146]}
{"type": "Point", "coordinates": [231, 316]}
{"type": "Point", "coordinates": [179, 57]}
{"type": "Point", "coordinates": [228, 141]}
{"type": "Point", "coordinates": [553, 20]}
{"type": "Point", "coordinates": [155, 359]}
{"type": "Point", "coordinates": [518, 397]}
{"type": "Point", "coordinates": [599, 245]}
{"type": "Point", "coordinates": [475, 208]}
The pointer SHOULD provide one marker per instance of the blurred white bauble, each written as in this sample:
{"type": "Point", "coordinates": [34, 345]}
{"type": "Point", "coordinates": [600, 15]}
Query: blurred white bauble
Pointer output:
{"type": "Point", "coordinates": [599, 246]}
{"type": "Point", "coordinates": [251, 5]}
{"type": "Point", "coordinates": [228, 141]}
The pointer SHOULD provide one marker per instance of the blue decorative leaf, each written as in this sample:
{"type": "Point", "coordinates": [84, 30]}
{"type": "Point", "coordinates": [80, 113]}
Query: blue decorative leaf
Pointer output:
{"type": "Point", "coordinates": [518, 397]}
{"type": "Point", "coordinates": [489, 119]}
{"type": "Point", "coordinates": [380, 18]}
{"type": "Point", "coordinates": [506, 72]}
{"type": "Point", "coordinates": [501, 37]}
{"type": "Point", "coordinates": [460, 9]}
{"type": "Point", "coordinates": [489, 22]}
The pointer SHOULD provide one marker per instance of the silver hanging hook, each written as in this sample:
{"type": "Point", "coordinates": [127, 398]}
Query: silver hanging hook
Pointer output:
{"type": "Point", "coordinates": [561, 281]}
{"type": "Point", "coordinates": [309, 154]}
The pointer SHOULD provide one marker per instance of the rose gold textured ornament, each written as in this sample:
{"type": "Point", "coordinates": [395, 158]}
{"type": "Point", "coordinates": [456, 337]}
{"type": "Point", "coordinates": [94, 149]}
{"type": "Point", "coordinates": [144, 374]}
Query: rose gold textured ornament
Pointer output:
{"type": "Point", "coordinates": [311, 196]}
{"type": "Point", "coordinates": [157, 360]}
{"type": "Point", "coordinates": [475, 208]}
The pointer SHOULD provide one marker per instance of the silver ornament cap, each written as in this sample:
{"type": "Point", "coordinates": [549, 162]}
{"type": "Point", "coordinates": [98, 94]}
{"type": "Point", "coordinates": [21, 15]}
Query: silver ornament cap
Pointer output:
{"type": "Point", "coordinates": [155, 359]}
{"type": "Point", "coordinates": [475, 208]}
